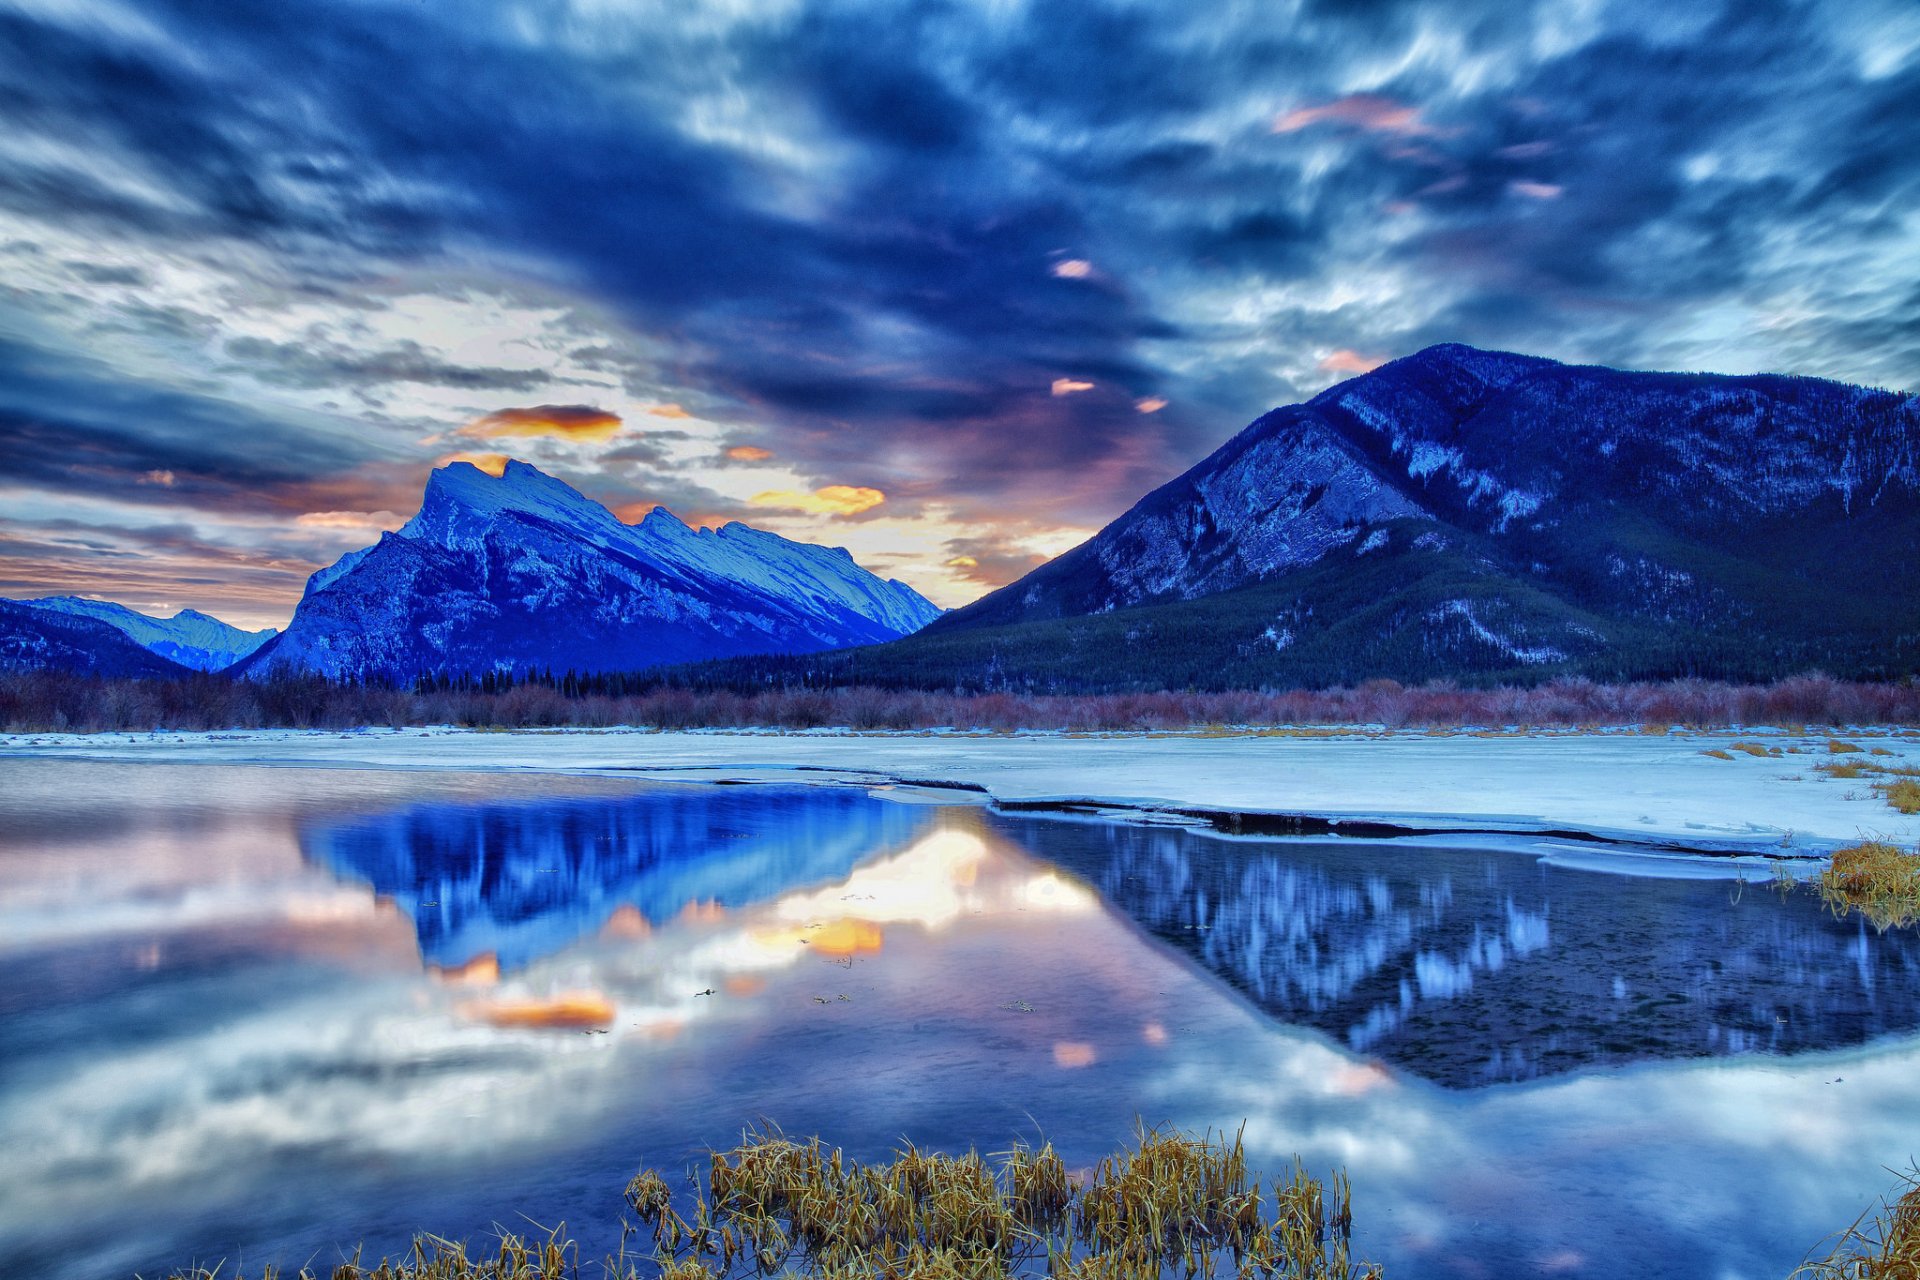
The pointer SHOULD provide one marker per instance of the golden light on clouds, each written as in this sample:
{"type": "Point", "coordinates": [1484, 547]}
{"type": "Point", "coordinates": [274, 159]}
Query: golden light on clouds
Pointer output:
{"type": "Point", "coordinates": [568, 1011]}
{"type": "Point", "coordinates": [347, 520]}
{"type": "Point", "coordinates": [749, 453]}
{"type": "Point", "coordinates": [1150, 404]}
{"type": "Point", "coordinates": [830, 500]}
{"type": "Point", "coordinates": [1068, 386]}
{"type": "Point", "coordinates": [963, 562]}
{"type": "Point", "coordinates": [1073, 269]}
{"type": "Point", "coordinates": [164, 479]}
{"type": "Point", "coordinates": [563, 421]}
{"type": "Point", "coordinates": [1347, 360]}
{"type": "Point", "coordinates": [667, 411]}
{"type": "Point", "coordinates": [847, 937]}
{"type": "Point", "coordinates": [494, 464]}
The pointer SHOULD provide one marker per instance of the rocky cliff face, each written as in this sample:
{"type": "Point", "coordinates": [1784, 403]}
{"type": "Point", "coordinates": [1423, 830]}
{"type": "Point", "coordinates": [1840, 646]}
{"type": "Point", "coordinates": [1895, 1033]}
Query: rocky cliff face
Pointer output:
{"type": "Point", "coordinates": [1505, 511]}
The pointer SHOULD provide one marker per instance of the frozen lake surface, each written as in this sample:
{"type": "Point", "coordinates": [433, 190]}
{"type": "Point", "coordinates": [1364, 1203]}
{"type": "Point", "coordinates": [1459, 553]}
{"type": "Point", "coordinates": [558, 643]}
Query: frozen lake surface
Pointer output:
{"type": "Point", "coordinates": [267, 1014]}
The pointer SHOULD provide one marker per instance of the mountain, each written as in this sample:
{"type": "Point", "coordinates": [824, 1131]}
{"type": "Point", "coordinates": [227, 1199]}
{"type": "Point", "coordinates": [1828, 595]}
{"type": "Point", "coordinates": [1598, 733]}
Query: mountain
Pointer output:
{"type": "Point", "coordinates": [521, 572]}
{"type": "Point", "coordinates": [524, 880]}
{"type": "Point", "coordinates": [1473, 514]}
{"type": "Point", "coordinates": [190, 638]}
{"type": "Point", "coordinates": [34, 639]}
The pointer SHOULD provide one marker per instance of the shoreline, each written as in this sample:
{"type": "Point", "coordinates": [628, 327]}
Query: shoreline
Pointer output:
{"type": "Point", "coordinates": [1632, 791]}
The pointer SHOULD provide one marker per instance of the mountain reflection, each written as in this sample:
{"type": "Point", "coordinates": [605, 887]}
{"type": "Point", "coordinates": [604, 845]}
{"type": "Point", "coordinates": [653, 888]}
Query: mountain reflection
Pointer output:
{"type": "Point", "coordinates": [1475, 967]}
{"type": "Point", "coordinates": [500, 885]}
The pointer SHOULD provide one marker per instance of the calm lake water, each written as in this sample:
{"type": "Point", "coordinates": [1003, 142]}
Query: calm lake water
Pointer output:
{"type": "Point", "coordinates": [265, 1015]}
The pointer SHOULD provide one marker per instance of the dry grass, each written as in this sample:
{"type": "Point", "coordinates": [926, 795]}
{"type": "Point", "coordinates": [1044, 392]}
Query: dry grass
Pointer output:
{"type": "Point", "coordinates": [1897, 784]}
{"type": "Point", "coordinates": [433, 1258]}
{"type": "Point", "coordinates": [1756, 749]}
{"type": "Point", "coordinates": [1877, 880]}
{"type": "Point", "coordinates": [1717, 754]}
{"type": "Point", "coordinates": [1903, 794]}
{"type": "Point", "coordinates": [1885, 1248]}
{"type": "Point", "coordinates": [1171, 1203]}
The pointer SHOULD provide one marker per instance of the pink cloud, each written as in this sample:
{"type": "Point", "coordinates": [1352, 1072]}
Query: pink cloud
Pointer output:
{"type": "Point", "coordinates": [1536, 190]}
{"type": "Point", "coordinates": [1347, 360]}
{"type": "Point", "coordinates": [1373, 112]}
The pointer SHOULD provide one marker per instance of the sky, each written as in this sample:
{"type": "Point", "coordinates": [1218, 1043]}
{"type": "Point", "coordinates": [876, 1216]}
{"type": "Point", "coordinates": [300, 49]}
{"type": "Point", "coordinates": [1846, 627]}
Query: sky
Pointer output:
{"type": "Point", "coordinates": [950, 284]}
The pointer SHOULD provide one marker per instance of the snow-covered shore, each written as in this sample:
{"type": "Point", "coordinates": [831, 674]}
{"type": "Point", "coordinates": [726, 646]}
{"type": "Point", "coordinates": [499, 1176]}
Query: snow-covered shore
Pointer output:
{"type": "Point", "coordinates": [1644, 788]}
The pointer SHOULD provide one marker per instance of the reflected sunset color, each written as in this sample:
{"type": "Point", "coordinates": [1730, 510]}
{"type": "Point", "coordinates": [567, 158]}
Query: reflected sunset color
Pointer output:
{"type": "Point", "coordinates": [271, 1013]}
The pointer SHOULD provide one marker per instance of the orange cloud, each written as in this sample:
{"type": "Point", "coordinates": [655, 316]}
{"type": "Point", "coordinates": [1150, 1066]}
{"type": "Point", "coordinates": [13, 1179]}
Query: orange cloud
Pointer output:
{"type": "Point", "coordinates": [1151, 404]}
{"type": "Point", "coordinates": [481, 971]}
{"type": "Point", "coordinates": [164, 479]}
{"type": "Point", "coordinates": [1071, 1054]}
{"type": "Point", "coordinates": [1067, 386]}
{"type": "Point", "coordinates": [666, 411]}
{"type": "Point", "coordinates": [1073, 269]}
{"type": "Point", "coordinates": [626, 922]}
{"type": "Point", "coordinates": [1371, 111]}
{"type": "Point", "coordinates": [494, 464]}
{"type": "Point", "coordinates": [1347, 360]}
{"type": "Point", "coordinates": [848, 937]}
{"type": "Point", "coordinates": [568, 1011]}
{"type": "Point", "coordinates": [831, 500]}
{"type": "Point", "coordinates": [749, 453]}
{"type": "Point", "coordinates": [566, 421]}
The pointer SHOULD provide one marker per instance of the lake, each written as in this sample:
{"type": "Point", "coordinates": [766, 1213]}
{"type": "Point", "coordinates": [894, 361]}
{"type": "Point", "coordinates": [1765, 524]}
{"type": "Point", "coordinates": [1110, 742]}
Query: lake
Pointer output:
{"type": "Point", "coordinates": [269, 1014]}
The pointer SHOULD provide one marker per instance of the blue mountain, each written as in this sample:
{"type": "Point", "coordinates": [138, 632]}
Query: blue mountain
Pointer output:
{"type": "Point", "coordinates": [193, 639]}
{"type": "Point", "coordinates": [521, 572]}
{"type": "Point", "coordinates": [1476, 514]}
{"type": "Point", "coordinates": [49, 640]}
{"type": "Point", "coordinates": [521, 881]}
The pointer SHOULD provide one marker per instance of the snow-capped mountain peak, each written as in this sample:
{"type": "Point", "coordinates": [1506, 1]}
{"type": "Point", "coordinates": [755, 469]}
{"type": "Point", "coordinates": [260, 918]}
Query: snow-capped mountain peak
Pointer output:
{"type": "Point", "coordinates": [522, 571]}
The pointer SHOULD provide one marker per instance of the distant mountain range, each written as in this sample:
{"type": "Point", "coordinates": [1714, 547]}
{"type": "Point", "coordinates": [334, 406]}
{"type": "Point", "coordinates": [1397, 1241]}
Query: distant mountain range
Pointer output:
{"type": "Point", "coordinates": [1456, 514]}
{"type": "Point", "coordinates": [33, 639]}
{"type": "Point", "coordinates": [1472, 514]}
{"type": "Point", "coordinates": [191, 638]}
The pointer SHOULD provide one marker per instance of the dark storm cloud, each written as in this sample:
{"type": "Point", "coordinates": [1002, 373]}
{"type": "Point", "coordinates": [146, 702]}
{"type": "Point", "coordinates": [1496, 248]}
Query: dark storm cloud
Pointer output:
{"type": "Point", "coordinates": [71, 427]}
{"type": "Point", "coordinates": [314, 365]}
{"type": "Point", "coordinates": [845, 222]}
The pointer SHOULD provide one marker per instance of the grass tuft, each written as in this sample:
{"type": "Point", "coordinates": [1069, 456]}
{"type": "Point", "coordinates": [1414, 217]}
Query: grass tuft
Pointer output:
{"type": "Point", "coordinates": [1903, 794]}
{"type": "Point", "coordinates": [1169, 1205]}
{"type": "Point", "coordinates": [1877, 880]}
{"type": "Point", "coordinates": [1887, 1247]}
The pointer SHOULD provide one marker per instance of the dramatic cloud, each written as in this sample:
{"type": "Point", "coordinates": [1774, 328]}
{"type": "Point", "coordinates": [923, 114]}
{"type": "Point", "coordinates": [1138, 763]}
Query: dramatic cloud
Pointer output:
{"type": "Point", "coordinates": [566, 421]}
{"type": "Point", "coordinates": [1009, 266]}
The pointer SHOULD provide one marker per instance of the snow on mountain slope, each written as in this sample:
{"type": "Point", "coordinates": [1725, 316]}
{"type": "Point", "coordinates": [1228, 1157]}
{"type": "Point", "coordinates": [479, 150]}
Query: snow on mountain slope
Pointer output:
{"type": "Point", "coordinates": [1611, 521]}
{"type": "Point", "coordinates": [190, 638]}
{"type": "Point", "coordinates": [521, 572]}
{"type": "Point", "coordinates": [51, 640]}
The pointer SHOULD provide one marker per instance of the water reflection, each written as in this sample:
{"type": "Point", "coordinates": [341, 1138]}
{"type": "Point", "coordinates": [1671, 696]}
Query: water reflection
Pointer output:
{"type": "Point", "coordinates": [1472, 967]}
{"type": "Point", "coordinates": [494, 887]}
{"type": "Point", "coordinates": [217, 1039]}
